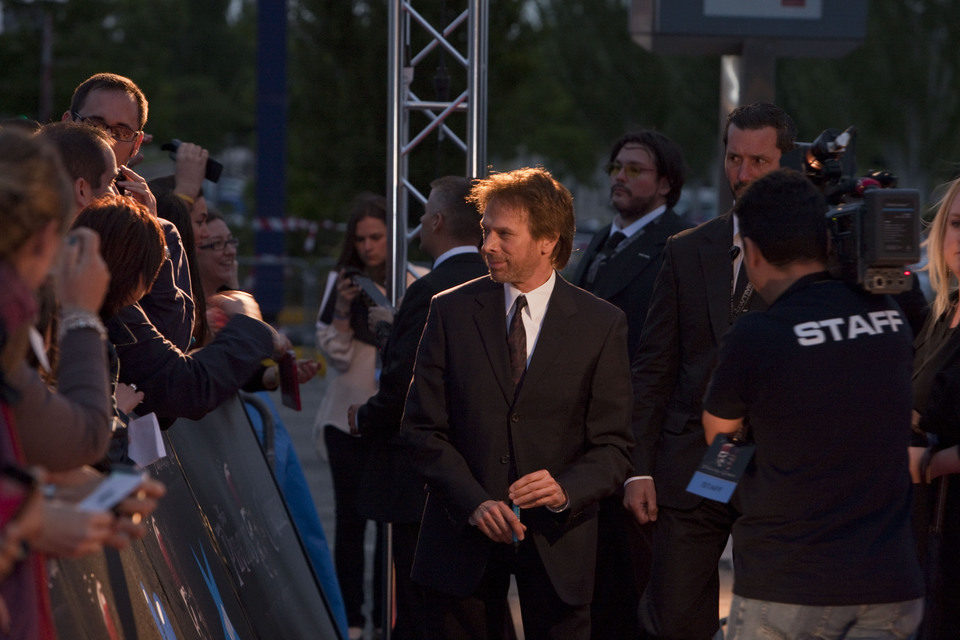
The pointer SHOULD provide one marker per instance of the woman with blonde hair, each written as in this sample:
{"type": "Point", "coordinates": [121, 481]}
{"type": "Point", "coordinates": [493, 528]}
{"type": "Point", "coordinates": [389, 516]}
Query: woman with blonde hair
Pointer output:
{"type": "Point", "coordinates": [936, 423]}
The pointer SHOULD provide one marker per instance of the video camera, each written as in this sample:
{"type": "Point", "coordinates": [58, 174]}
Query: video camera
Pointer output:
{"type": "Point", "coordinates": [874, 226]}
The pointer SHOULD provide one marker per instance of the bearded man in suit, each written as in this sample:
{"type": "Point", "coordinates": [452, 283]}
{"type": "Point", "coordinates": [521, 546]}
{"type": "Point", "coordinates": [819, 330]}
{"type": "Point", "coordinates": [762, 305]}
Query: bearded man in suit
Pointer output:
{"type": "Point", "coordinates": [518, 418]}
{"type": "Point", "coordinates": [620, 265]}
{"type": "Point", "coordinates": [700, 291]}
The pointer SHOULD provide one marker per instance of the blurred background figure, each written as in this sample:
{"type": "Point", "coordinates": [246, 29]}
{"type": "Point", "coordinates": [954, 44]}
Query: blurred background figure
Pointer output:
{"type": "Point", "coordinates": [346, 339]}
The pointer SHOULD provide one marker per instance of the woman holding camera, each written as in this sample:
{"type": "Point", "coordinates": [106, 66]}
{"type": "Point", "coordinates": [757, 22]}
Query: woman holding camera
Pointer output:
{"type": "Point", "coordinates": [345, 336]}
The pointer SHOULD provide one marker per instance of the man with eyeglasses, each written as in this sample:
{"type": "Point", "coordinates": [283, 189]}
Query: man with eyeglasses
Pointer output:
{"type": "Point", "coordinates": [620, 265]}
{"type": "Point", "coordinates": [699, 293]}
{"type": "Point", "coordinates": [175, 384]}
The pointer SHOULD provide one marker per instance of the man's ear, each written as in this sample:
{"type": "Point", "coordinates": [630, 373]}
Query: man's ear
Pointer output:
{"type": "Point", "coordinates": [136, 144]}
{"type": "Point", "coordinates": [547, 244]}
{"type": "Point", "coordinates": [752, 254]}
{"type": "Point", "coordinates": [67, 116]}
{"type": "Point", "coordinates": [438, 221]}
{"type": "Point", "coordinates": [82, 193]}
{"type": "Point", "coordinates": [663, 186]}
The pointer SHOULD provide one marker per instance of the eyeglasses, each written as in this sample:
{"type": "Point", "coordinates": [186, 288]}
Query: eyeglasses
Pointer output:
{"type": "Point", "coordinates": [119, 132]}
{"type": "Point", "coordinates": [632, 170]}
{"type": "Point", "coordinates": [220, 245]}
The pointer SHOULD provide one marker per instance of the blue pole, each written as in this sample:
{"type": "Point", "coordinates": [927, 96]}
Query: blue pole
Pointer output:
{"type": "Point", "coordinates": [271, 152]}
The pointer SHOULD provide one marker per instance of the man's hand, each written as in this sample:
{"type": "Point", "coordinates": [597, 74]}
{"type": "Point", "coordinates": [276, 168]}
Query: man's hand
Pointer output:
{"type": "Point", "coordinates": [497, 521]}
{"type": "Point", "coordinates": [640, 499]}
{"type": "Point", "coordinates": [136, 187]}
{"type": "Point", "coordinates": [127, 397]}
{"type": "Point", "coordinates": [132, 511]}
{"type": "Point", "coordinates": [352, 418]}
{"type": "Point", "coordinates": [306, 369]}
{"type": "Point", "coordinates": [191, 167]}
{"type": "Point", "coordinates": [234, 302]}
{"type": "Point", "coordinates": [69, 532]}
{"type": "Point", "coordinates": [537, 489]}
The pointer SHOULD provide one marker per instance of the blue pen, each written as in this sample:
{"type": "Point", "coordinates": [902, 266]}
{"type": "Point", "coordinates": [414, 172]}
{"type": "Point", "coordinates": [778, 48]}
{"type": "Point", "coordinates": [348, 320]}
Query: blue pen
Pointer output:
{"type": "Point", "coordinates": [516, 512]}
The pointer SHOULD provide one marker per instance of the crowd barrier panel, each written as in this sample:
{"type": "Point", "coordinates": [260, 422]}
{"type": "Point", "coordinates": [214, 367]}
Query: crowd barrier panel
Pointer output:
{"type": "Point", "coordinates": [221, 558]}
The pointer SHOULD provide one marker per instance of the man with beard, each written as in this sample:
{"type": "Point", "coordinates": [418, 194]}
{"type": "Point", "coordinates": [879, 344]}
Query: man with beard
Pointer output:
{"type": "Point", "coordinates": [646, 172]}
{"type": "Point", "coordinates": [700, 291]}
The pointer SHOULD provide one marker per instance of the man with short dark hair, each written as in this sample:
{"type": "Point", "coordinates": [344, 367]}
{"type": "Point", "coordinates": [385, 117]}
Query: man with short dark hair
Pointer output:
{"type": "Point", "coordinates": [699, 292]}
{"type": "Point", "coordinates": [87, 158]}
{"type": "Point", "coordinates": [824, 544]}
{"type": "Point", "coordinates": [390, 489]}
{"type": "Point", "coordinates": [620, 265]}
{"type": "Point", "coordinates": [517, 417]}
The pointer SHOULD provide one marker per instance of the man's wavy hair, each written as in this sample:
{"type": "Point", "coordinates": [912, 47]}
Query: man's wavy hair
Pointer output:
{"type": "Point", "coordinates": [547, 203]}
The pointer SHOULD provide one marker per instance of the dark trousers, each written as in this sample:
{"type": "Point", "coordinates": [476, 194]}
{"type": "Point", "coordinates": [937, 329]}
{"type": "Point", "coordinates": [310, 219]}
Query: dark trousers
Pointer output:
{"type": "Point", "coordinates": [412, 609]}
{"type": "Point", "coordinates": [623, 569]}
{"type": "Point", "coordinates": [682, 596]}
{"type": "Point", "coordinates": [343, 451]}
{"type": "Point", "coordinates": [484, 614]}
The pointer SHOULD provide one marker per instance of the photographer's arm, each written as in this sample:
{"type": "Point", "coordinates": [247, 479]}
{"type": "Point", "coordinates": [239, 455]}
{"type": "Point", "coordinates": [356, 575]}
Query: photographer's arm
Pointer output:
{"type": "Point", "coordinates": [714, 426]}
{"type": "Point", "coordinates": [191, 166]}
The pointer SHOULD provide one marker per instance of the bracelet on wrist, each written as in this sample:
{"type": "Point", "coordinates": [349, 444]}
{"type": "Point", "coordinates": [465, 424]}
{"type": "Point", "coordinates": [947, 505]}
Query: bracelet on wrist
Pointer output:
{"type": "Point", "coordinates": [78, 319]}
{"type": "Point", "coordinates": [186, 198]}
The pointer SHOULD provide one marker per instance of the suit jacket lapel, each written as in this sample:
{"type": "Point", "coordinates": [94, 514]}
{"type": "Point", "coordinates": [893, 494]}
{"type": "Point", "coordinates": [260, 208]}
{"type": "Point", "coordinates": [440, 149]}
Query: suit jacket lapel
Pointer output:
{"type": "Point", "coordinates": [638, 255]}
{"type": "Point", "coordinates": [554, 334]}
{"type": "Point", "coordinates": [717, 275]}
{"type": "Point", "coordinates": [491, 321]}
{"type": "Point", "coordinates": [597, 241]}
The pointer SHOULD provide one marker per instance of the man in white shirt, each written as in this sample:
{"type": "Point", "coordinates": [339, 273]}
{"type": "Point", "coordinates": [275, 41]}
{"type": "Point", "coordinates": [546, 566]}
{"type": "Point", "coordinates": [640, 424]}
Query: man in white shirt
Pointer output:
{"type": "Point", "coordinates": [518, 419]}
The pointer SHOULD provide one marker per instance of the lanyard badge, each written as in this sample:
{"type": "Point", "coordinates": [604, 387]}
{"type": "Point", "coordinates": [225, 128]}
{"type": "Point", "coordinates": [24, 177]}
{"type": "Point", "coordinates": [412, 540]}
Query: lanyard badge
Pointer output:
{"type": "Point", "coordinates": [721, 468]}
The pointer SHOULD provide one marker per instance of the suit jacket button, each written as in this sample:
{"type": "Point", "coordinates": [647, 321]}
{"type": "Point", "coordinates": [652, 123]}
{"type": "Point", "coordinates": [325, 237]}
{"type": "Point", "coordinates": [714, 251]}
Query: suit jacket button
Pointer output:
{"type": "Point", "coordinates": [504, 459]}
{"type": "Point", "coordinates": [514, 418]}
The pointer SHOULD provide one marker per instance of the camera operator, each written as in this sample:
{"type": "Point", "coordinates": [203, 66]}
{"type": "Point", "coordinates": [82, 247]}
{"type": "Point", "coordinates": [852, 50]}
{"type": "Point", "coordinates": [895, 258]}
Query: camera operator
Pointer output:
{"type": "Point", "coordinates": [826, 498]}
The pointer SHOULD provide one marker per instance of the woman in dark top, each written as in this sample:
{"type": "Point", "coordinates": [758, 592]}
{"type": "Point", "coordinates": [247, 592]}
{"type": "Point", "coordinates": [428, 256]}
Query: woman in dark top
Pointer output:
{"type": "Point", "coordinates": [936, 389]}
{"type": "Point", "coordinates": [132, 244]}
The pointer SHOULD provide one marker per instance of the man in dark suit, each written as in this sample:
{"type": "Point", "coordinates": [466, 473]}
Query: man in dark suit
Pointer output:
{"type": "Point", "coordinates": [620, 265]}
{"type": "Point", "coordinates": [699, 292]}
{"type": "Point", "coordinates": [646, 176]}
{"type": "Point", "coordinates": [390, 489]}
{"type": "Point", "coordinates": [518, 418]}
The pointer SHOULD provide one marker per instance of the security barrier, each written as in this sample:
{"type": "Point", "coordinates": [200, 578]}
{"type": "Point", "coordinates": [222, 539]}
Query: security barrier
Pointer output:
{"type": "Point", "coordinates": [221, 558]}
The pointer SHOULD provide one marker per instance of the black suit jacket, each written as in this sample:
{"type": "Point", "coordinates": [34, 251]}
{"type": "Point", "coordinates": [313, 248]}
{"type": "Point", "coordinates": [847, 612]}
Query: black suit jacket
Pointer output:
{"type": "Point", "coordinates": [471, 436]}
{"type": "Point", "coordinates": [390, 490]}
{"type": "Point", "coordinates": [627, 278]}
{"type": "Point", "coordinates": [689, 313]}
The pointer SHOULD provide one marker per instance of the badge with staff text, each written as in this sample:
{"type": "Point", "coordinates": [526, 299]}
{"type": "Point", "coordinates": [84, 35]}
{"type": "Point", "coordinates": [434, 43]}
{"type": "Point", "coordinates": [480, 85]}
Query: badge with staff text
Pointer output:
{"type": "Point", "coordinates": [721, 469]}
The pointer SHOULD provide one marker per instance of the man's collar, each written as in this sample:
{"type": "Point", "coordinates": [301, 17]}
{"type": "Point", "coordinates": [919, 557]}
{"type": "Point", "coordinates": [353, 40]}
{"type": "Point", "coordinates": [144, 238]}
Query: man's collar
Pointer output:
{"type": "Point", "coordinates": [537, 299]}
{"type": "Point", "coordinates": [467, 248]}
{"type": "Point", "coordinates": [638, 224]}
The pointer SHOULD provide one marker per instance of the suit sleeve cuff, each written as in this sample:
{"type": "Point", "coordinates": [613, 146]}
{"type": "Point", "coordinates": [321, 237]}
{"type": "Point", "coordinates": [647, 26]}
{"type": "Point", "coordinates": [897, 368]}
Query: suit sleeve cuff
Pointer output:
{"type": "Point", "coordinates": [632, 478]}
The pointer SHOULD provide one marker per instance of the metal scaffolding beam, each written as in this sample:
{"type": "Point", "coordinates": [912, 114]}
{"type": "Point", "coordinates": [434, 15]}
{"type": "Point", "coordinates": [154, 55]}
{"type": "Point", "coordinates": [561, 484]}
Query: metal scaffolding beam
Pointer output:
{"type": "Point", "coordinates": [404, 22]}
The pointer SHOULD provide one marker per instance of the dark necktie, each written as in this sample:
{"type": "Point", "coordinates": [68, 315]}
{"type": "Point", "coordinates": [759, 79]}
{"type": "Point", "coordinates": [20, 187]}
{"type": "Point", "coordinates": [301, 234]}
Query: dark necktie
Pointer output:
{"type": "Point", "coordinates": [517, 341]}
{"type": "Point", "coordinates": [603, 255]}
{"type": "Point", "coordinates": [740, 296]}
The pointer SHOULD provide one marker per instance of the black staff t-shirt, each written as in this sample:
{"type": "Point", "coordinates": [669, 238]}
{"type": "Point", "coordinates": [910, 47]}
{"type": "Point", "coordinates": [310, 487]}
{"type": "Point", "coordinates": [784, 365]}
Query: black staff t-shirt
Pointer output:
{"type": "Point", "coordinates": [823, 380]}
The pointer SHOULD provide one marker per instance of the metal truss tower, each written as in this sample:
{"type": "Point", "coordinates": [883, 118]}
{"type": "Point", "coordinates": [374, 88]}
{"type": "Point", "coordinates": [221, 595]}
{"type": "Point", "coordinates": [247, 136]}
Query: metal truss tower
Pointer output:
{"type": "Point", "coordinates": [405, 25]}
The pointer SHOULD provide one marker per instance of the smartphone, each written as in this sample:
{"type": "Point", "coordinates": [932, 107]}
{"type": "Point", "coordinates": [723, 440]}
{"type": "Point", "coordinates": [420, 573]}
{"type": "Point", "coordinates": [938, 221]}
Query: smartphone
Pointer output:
{"type": "Point", "coordinates": [289, 381]}
{"type": "Point", "coordinates": [16, 486]}
{"type": "Point", "coordinates": [113, 489]}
